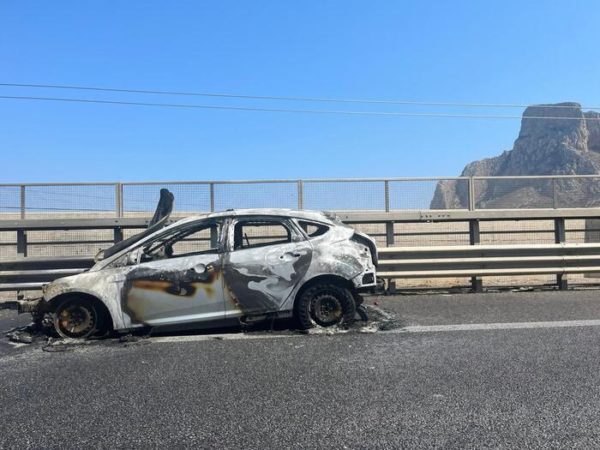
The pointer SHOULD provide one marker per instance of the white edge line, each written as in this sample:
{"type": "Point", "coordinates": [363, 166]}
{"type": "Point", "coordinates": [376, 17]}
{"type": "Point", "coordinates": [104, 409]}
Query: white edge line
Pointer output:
{"type": "Point", "coordinates": [408, 329]}
{"type": "Point", "coordinates": [497, 326]}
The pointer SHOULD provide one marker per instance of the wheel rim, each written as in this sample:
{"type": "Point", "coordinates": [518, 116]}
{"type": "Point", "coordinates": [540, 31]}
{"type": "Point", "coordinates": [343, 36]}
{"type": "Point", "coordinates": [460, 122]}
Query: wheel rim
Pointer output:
{"type": "Point", "coordinates": [326, 309]}
{"type": "Point", "coordinates": [76, 320]}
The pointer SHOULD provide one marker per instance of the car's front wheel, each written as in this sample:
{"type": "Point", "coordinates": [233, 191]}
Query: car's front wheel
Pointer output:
{"type": "Point", "coordinates": [325, 304]}
{"type": "Point", "coordinates": [77, 318]}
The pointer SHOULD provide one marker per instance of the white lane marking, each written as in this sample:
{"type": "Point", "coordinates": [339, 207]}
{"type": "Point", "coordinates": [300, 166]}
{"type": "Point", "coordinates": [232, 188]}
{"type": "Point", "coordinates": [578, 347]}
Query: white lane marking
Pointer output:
{"type": "Point", "coordinates": [409, 329]}
{"type": "Point", "coordinates": [219, 337]}
{"type": "Point", "coordinates": [496, 326]}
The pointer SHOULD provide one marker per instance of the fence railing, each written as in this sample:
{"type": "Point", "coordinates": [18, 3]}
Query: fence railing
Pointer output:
{"type": "Point", "coordinates": [133, 199]}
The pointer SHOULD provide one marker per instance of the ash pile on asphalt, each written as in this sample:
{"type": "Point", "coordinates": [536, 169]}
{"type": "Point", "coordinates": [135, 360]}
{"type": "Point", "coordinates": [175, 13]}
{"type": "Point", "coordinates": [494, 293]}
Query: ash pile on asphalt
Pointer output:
{"type": "Point", "coordinates": [383, 320]}
{"type": "Point", "coordinates": [379, 320]}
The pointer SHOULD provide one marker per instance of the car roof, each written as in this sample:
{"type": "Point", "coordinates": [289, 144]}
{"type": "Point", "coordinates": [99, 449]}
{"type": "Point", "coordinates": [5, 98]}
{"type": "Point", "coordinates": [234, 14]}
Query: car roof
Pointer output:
{"type": "Point", "coordinates": [318, 216]}
{"type": "Point", "coordinates": [269, 212]}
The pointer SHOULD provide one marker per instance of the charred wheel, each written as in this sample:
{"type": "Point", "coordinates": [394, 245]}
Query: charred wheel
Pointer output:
{"type": "Point", "coordinates": [76, 318]}
{"type": "Point", "coordinates": [325, 304]}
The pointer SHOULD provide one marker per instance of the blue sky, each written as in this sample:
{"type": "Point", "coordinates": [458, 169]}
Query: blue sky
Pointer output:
{"type": "Point", "coordinates": [459, 51]}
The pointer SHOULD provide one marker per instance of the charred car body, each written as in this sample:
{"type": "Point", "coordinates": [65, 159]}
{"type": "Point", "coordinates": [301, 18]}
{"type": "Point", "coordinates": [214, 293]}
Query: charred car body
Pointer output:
{"type": "Point", "coordinates": [244, 265]}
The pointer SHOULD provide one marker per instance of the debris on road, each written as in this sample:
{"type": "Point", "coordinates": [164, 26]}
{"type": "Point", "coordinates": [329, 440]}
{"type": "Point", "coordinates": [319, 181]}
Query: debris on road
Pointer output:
{"type": "Point", "coordinates": [378, 320]}
{"type": "Point", "coordinates": [28, 334]}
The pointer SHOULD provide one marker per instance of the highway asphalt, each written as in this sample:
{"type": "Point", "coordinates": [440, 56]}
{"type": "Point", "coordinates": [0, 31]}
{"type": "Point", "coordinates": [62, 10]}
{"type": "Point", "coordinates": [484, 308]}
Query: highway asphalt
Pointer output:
{"type": "Point", "coordinates": [495, 370]}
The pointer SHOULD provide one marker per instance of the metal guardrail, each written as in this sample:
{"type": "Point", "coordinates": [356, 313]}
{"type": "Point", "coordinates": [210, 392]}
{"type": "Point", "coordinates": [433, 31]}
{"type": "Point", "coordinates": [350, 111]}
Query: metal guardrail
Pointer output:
{"type": "Point", "coordinates": [488, 260]}
{"type": "Point", "coordinates": [126, 199]}
{"type": "Point", "coordinates": [33, 273]}
{"type": "Point", "coordinates": [473, 261]}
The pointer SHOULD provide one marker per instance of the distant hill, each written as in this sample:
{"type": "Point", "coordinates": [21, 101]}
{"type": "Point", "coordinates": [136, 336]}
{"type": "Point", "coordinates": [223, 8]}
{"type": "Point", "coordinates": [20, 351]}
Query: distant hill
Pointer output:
{"type": "Point", "coordinates": [544, 147]}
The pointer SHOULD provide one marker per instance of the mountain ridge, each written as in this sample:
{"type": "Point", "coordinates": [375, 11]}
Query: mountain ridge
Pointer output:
{"type": "Point", "coordinates": [554, 139]}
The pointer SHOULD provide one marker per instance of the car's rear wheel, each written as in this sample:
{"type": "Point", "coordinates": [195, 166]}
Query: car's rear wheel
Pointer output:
{"type": "Point", "coordinates": [325, 305]}
{"type": "Point", "coordinates": [77, 318]}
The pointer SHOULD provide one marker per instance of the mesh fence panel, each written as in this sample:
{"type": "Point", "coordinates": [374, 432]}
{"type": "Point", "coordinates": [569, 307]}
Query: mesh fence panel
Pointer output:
{"type": "Point", "coordinates": [410, 284]}
{"type": "Point", "coordinates": [10, 202]}
{"type": "Point", "coordinates": [520, 280]}
{"type": "Point", "coordinates": [420, 234]}
{"type": "Point", "coordinates": [256, 195]}
{"type": "Point", "coordinates": [577, 192]}
{"type": "Point", "coordinates": [426, 194]}
{"type": "Point", "coordinates": [579, 231]}
{"type": "Point", "coordinates": [66, 201]}
{"type": "Point", "coordinates": [8, 245]}
{"type": "Point", "coordinates": [68, 242]}
{"type": "Point", "coordinates": [141, 200]}
{"type": "Point", "coordinates": [514, 232]}
{"type": "Point", "coordinates": [344, 195]}
{"type": "Point", "coordinates": [129, 232]}
{"type": "Point", "coordinates": [450, 194]}
{"type": "Point", "coordinates": [431, 234]}
{"type": "Point", "coordinates": [511, 193]}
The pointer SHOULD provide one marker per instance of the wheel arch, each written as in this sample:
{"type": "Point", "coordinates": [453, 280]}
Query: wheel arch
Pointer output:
{"type": "Point", "coordinates": [326, 278]}
{"type": "Point", "coordinates": [97, 302]}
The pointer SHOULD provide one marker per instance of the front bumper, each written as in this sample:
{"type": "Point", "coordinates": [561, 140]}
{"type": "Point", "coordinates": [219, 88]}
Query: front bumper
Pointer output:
{"type": "Point", "coordinates": [29, 305]}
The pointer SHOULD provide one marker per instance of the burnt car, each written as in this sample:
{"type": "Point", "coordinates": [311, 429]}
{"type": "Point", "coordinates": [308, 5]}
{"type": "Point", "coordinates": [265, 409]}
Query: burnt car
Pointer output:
{"type": "Point", "coordinates": [238, 265]}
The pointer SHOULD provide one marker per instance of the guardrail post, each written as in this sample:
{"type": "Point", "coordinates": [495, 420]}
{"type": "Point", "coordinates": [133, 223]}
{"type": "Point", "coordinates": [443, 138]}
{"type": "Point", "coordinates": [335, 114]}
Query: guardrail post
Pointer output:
{"type": "Point", "coordinates": [560, 238]}
{"type": "Point", "coordinates": [475, 239]}
{"type": "Point", "coordinates": [554, 202]}
{"type": "Point", "coordinates": [471, 194]}
{"type": "Point", "coordinates": [386, 187]}
{"type": "Point", "coordinates": [300, 195]}
{"type": "Point", "coordinates": [22, 202]}
{"type": "Point", "coordinates": [389, 242]}
{"type": "Point", "coordinates": [212, 197]}
{"type": "Point", "coordinates": [117, 234]}
{"type": "Point", "coordinates": [22, 243]}
{"type": "Point", "coordinates": [119, 199]}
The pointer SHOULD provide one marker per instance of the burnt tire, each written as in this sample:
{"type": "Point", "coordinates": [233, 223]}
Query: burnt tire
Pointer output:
{"type": "Point", "coordinates": [78, 318]}
{"type": "Point", "coordinates": [325, 305]}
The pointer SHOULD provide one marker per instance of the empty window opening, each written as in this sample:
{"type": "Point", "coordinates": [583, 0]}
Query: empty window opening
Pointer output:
{"type": "Point", "coordinates": [251, 234]}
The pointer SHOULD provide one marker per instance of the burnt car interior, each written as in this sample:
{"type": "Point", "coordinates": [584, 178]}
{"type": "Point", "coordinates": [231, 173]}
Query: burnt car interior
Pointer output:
{"type": "Point", "coordinates": [256, 233]}
{"type": "Point", "coordinates": [189, 241]}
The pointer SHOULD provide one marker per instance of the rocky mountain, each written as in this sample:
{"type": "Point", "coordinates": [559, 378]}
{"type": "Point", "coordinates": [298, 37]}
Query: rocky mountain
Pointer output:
{"type": "Point", "coordinates": [558, 139]}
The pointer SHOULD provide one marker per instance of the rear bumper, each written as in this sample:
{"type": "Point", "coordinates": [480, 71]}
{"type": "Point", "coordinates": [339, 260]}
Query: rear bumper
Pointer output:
{"type": "Point", "coordinates": [367, 282]}
{"type": "Point", "coordinates": [376, 288]}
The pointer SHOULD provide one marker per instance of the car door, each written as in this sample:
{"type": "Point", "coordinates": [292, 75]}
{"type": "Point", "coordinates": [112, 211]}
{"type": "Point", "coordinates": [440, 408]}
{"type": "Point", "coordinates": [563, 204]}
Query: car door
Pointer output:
{"type": "Point", "coordinates": [178, 278]}
{"type": "Point", "coordinates": [266, 258]}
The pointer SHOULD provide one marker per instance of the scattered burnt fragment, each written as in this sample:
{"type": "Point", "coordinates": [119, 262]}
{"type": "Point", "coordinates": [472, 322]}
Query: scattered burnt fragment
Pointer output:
{"type": "Point", "coordinates": [29, 334]}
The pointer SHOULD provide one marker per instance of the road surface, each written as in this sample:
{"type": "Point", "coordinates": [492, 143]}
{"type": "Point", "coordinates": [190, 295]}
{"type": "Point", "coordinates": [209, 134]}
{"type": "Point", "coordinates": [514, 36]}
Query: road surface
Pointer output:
{"type": "Point", "coordinates": [508, 370]}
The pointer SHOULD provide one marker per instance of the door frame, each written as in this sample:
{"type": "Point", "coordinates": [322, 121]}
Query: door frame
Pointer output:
{"type": "Point", "coordinates": [238, 285]}
{"type": "Point", "coordinates": [157, 274]}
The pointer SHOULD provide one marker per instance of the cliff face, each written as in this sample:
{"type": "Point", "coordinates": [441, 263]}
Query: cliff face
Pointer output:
{"type": "Point", "coordinates": [552, 146]}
